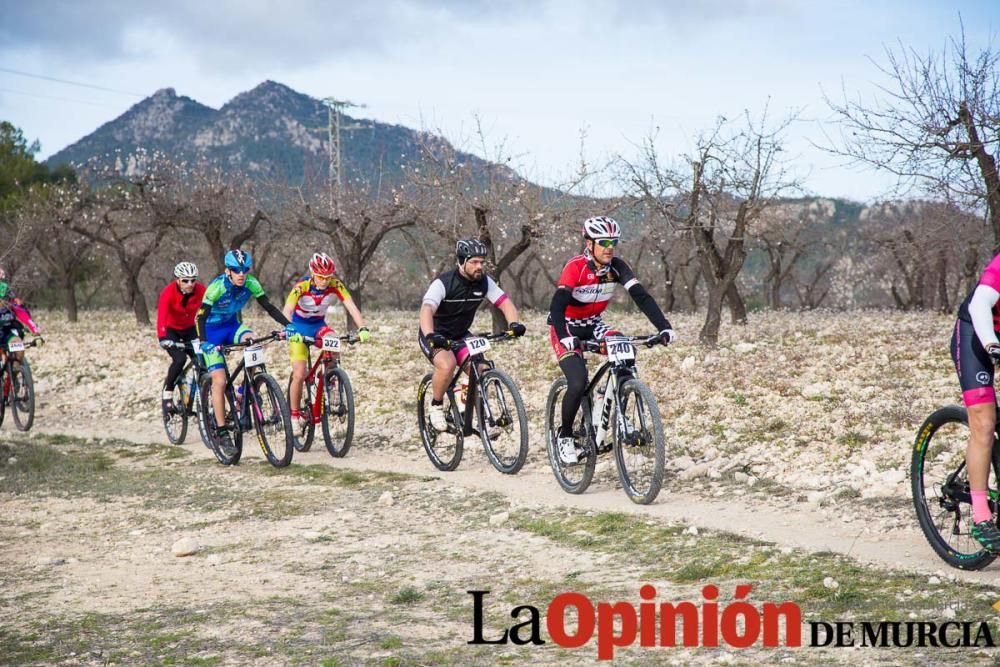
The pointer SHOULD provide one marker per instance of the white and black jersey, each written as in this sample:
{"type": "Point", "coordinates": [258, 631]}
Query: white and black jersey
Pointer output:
{"type": "Point", "coordinates": [456, 299]}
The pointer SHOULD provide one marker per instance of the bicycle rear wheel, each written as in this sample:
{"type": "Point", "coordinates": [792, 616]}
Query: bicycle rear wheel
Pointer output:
{"type": "Point", "coordinates": [503, 423]}
{"type": "Point", "coordinates": [229, 448]}
{"type": "Point", "coordinates": [572, 477]}
{"type": "Point", "coordinates": [940, 486]}
{"type": "Point", "coordinates": [272, 420]}
{"type": "Point", "coordinates": [444, 448]}
{"type": "Point", "coordinates": [338, 413]}
{"type": "Point", "coordinates": [175, 421]}
{"type": "Point", "coordinates": [640, 449]}
{"type": "Point", "coordinates": [303, 438]}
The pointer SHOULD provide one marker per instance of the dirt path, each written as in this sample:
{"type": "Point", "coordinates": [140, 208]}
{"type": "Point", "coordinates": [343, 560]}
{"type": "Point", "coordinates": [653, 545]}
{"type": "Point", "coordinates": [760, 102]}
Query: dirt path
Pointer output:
{"type": "Point", "coordinates": [841, 529]}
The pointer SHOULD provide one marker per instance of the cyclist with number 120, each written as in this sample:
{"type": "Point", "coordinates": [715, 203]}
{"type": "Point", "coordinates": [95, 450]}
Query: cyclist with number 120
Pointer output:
{"type": "Point", "coordinates": [448, 310]}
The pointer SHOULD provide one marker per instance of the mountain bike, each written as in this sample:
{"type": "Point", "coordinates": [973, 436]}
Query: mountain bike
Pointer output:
{"type": "Point", "coordinates": [619, 414]}
{"type": "Point", "coordinates": [493, 410]}
{"type": "Point", "coordinates": [18, 388]}
{"type": "Point", "coordinates": [940, 488]}
{"type": "Point", "coordinates": [186, 396]}
{"type": "Point", "coordinates": [257, 402]}
{"type": "Point", "coordinates": [333, 405]}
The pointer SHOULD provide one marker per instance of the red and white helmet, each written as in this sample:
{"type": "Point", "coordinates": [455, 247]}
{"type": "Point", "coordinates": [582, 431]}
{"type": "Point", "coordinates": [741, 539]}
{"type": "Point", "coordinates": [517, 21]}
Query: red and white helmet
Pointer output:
{"type": "Point", "coordinates": [601, 227]}
{"type": "Point", "coordinates": [322, 265]}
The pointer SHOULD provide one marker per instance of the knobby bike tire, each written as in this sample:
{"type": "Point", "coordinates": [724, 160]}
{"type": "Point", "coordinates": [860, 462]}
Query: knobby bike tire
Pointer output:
{"type": "Point", "coordinates": [22, 410]}
{"type": "Point", "coordinates": [196, 411]}
{"type": "Point", "coordinates": [272, 420]}
{"type": "Point", "coordinates": [440, 454]}
{"type": "Point", "coordinates": [4, 388]}
{"type": "Point", "coordinates": [228, 449]}
{"type": "Point", "coordinates": [304, 443]}
{"type": "Point", "coordinates": [338, 408]}
{"type": "Point", "coordinates": [944, 510]}
{"type": "Point", "coordinates": [501, 383]}
{"type": "Point", "coordinates": [175, 424]}
{"type": "Point", "coordinates": [651, 448]}
{"type": "Point", "coordinates": [572, 477]}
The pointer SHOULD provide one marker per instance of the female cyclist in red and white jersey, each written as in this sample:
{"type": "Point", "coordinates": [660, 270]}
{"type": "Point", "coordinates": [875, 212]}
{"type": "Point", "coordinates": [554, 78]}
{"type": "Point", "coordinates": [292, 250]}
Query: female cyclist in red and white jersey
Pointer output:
{"type": "Point", "coordinates": [585, 288]}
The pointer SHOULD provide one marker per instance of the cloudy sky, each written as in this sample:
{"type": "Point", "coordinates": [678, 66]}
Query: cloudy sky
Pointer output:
{"type": "Point", "coordinates": [537, 74]}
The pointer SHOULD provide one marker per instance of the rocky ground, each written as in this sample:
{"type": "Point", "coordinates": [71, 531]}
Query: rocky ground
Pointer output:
{"type": "Point", "coordinates": [789, 449]}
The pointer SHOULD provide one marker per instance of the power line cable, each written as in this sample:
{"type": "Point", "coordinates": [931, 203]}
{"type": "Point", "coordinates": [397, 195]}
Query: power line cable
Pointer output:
{"type": "Point", "coordinates": [60, 99]}
{"type": "Point", "coordinates": [71, 83]}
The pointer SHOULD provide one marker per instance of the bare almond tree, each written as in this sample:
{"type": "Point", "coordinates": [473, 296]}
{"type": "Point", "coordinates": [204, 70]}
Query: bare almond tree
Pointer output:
{"type": "Point", "coordinates": [131, 216]}
{"type": "Point", "coordinates": [464, 195]}
{"type": "Point", "coordinates": [733, 175]}
{"type": "Point", "coordinates": [933, 125]}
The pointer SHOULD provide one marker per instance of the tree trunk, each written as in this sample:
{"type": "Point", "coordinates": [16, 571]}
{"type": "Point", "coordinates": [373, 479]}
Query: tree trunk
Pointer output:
{"type": "Point", "coordinates": [69, 296]}
{"type": "Point", "coordinates": [737, 307]}
{"type": "Point", "coordinates": [136, 298]}
{"type": "Point", "coordinates": [709, 335]}
{"type": "Point", "coordinates": [668, 285]}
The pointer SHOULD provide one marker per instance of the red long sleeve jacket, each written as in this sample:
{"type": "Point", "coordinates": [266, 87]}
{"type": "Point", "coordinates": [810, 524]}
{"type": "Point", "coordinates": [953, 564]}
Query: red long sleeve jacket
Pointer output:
{"type": "Point", "coordinates": [176, 310]}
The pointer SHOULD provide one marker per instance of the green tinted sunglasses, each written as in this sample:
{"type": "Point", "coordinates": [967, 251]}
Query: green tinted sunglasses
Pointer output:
{"type": "Point", "coordinates": [606, 243]}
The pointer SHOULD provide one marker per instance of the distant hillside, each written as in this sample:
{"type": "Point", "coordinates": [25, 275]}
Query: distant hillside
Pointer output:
{"type": "Point", "coordinates": [271, 130]}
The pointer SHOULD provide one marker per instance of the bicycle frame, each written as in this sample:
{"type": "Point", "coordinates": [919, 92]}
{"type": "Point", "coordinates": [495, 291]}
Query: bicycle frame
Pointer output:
{"type": "Point", "coordinates": [477, 364]}
{"type": "Point", "coordinates": [327, 359]}
{"type": "Point", "coordinates": [248, 374]}
{"type": "Point", "coordinates": [617, 372]}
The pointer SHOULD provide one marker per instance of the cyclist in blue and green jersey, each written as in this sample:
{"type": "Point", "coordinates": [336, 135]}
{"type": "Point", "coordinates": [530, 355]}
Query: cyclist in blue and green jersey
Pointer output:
{"type": "Point", "coordinates": [219, 321]}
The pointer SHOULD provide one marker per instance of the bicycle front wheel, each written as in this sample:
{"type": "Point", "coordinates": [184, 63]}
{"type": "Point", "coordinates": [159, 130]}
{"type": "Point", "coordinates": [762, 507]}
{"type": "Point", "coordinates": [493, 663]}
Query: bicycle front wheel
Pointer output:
{"type": "Point", "coordinates": [175, 420]}
{"type": "Point", "coordinates": [4, 389]}
{"type": "Point", "coordinates": [444, 448]}
{"type": "Point", "coordinates": [338, 413]}
{"type": "Point", "coordinates": [228, 448]}
{"type": "Point", "coordinates": [572, 477]}
{"type": "Point", "coordinates": [639, 446]}
{"type": "Point", "coordinates": [272, 420]}
{"type": "Point", "coordinates": [22, 403]}
{"type": "Point", "coordinates": [503, 423]}
{"type": "Point", "coordinates": [303, 437]}
{"type": "Point", "coordinates": [940, 486]}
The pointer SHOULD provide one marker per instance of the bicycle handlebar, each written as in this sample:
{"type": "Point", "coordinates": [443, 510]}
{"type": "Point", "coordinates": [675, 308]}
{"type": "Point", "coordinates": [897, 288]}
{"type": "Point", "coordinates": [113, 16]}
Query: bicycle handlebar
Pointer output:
{"type": "Point", "coordinates": [597, 346]}
{"type": "Point", "coordinates": [498, 337]}
{"type": "Point", "coordinates": [350, 339]}
{"type": "Point", "coordinates": [250, 342]}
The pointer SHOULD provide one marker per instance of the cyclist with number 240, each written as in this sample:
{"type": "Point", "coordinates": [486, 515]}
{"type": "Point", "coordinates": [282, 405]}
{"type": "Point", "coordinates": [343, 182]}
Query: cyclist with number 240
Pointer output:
{"type": "Point", "coordinates": [448, 310]}
{"type": "Point", "coordinates": [585, 288]}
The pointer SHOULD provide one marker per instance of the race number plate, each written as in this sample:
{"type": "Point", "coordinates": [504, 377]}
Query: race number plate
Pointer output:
{"type": "Point", "coordinates": [620, 350]}
{"type": "Point", "coordinates": [16, 346]}
{"type": "Point", "coordinates": [195, 345]}
{"type": "Point", "coordinates": [477, 345]}
{"type": "Point", "coordinates": [331, 344]}
{"type": "Point", "coordinates": [253, 356]}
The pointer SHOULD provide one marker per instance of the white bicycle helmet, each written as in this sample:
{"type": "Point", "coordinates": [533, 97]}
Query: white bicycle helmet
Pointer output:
{"type": "Point", "coordinates": [186, 270]}
{"type": "Point", "coordinates": [601, 227]}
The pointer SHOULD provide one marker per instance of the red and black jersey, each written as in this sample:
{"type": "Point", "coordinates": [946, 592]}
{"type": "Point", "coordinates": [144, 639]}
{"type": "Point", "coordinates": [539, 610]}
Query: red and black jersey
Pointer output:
{"type": "Point", "coordinates": [591, 287]}
{"type": "Point", "coordinates": [176, 310]}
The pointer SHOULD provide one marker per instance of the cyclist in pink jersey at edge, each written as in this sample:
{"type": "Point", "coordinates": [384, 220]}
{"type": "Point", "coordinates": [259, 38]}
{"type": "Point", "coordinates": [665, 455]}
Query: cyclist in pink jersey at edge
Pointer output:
{"type": "Point", "coordinates": [975, 350]}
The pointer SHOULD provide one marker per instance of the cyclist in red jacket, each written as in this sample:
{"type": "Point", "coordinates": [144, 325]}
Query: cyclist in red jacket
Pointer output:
{"type": "Point", "coordinates": [175, 313]}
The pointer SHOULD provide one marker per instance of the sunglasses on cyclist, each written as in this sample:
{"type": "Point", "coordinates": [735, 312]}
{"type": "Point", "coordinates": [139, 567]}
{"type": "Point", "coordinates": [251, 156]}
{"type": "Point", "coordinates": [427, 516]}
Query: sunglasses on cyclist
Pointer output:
{"type": "Point", "coordinates": [189, 281]}
{"type": "Point", "coordinates": [606, 243]}
{"type": "Point", "coordinates": [239, 272]}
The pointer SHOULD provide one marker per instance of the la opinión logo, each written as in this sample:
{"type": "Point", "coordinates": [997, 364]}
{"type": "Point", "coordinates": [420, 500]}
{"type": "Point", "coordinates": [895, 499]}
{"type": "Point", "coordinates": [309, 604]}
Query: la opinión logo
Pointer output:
{"type": "Point", "coordinates": [738, 624]}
